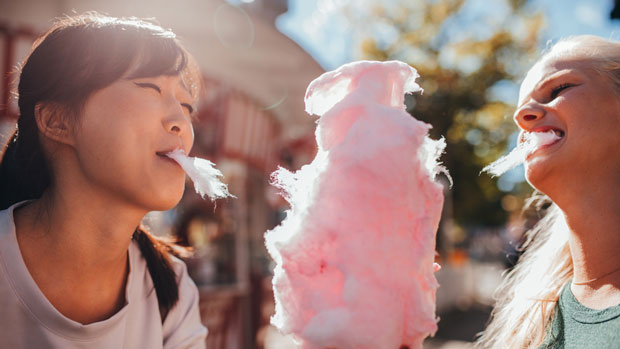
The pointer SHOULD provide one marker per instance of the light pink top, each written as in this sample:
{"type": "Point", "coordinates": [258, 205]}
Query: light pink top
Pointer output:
{"type": "Point", "coordinates": [29, 320]}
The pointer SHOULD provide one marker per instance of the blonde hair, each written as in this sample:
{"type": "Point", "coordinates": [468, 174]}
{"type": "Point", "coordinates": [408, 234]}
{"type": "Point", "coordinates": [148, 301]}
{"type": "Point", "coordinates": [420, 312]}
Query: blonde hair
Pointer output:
{"type": "Point", "coordinates": [527, 298]}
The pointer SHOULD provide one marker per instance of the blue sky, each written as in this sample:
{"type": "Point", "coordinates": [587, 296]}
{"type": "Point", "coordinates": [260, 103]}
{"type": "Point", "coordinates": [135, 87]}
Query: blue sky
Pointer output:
{"type": "Point", "coordinates": [325, 36]}
{"type": "Point", "coordinates": [317, 26]}
{"type": "Point", "coordinates": [569, 17]}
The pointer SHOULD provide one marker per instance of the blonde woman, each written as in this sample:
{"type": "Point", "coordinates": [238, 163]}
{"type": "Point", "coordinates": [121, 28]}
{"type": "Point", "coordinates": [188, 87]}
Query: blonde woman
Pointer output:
{"type": "Point", "coordinates": [565, 292]}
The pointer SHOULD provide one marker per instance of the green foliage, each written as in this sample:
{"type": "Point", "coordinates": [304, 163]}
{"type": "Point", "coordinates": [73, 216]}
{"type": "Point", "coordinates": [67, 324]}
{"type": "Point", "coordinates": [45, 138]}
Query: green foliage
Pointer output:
{"type": "Point", "coordinates": [434, 37]}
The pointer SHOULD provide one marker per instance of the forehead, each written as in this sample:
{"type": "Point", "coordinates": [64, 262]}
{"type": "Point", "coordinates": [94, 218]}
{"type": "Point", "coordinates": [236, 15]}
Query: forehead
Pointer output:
{"type": "Point", "coordinates": [567, 59]}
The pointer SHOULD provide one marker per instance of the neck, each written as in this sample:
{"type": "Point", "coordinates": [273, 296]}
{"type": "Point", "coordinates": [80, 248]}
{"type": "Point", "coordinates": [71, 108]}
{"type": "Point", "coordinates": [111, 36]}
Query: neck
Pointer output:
{"type": "Point", "coordinates": [80, 231]}
{"type": "Point", "coordinates": [595, 236]}
{"type": "Point", "coordinates": [83, 232]}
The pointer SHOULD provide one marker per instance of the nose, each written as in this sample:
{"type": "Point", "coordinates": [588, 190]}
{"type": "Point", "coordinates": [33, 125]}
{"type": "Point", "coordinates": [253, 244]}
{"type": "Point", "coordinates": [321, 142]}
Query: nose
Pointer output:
{"type": "Point", "coordinates": [178, 123]}
{"type": "Point", "coordinates": [528, 115]}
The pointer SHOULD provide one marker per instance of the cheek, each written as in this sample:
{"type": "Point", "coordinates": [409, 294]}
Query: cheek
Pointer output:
{"type": "Point", "coordinates": [190, 139]}
{"type": "Point", "coordinates": [103, 134]}
{"type": "Point", "coordinates": [114, 137]}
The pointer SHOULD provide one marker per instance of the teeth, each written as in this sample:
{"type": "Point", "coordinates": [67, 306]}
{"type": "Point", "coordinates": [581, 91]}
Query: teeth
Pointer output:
{"type": "Point", "coordinates": [558, 133]}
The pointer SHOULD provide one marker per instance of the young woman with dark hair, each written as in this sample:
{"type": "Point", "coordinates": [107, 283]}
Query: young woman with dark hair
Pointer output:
{"type": "Point", "coordinates": [101, 100]}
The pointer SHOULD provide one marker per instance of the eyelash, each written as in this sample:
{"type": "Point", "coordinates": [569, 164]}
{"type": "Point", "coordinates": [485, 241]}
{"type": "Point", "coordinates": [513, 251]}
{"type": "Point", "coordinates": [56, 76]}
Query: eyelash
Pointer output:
{"type": "Point", "coordinates": [149, 85]}
{"type": "Point", "coordinates": [156, 88]}
{"type": "Point", "coordinates": [556, 90]}
{"type": "Point", "coordinates": [189, 107]}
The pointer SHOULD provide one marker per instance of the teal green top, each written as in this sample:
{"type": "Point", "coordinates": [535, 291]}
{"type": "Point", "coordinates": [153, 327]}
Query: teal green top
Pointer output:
{"type": "Point", "coordinates": [577, 326]}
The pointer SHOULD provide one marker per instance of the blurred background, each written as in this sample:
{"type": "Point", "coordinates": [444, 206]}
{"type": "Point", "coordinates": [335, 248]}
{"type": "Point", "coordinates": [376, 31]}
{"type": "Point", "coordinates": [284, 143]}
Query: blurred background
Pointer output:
{"type": "Point", "coordinates": [257, 57]}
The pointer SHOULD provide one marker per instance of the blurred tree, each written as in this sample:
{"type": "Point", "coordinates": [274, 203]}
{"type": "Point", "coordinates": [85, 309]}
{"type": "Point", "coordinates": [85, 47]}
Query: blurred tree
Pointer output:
{"type": "Point", "coordinates": [469, 55]}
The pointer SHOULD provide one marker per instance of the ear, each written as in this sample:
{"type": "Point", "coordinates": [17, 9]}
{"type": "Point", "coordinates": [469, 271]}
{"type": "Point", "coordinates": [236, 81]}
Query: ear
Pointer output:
{"type": "Point", "coordinates": [52, 121]}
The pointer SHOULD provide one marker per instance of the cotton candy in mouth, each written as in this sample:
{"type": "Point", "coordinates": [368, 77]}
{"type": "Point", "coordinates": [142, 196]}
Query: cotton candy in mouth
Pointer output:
{"type": "Point", "coordinates": [531, 141]}
{"type": "Point", "coordinates": [203, 173]}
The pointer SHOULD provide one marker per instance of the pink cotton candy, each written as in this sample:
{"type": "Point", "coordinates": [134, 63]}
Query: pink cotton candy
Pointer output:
{"type": "Point", "coordinates": [354, 256]}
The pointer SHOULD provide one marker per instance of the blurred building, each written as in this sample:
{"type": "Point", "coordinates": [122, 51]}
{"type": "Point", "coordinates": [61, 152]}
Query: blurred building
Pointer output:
{"type": "Point", "coordinates": [250, 119]}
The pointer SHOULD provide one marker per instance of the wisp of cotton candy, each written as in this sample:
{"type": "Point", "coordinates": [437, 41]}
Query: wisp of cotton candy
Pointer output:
{"type": "Point", "coordinates": [530, 142]}
{"type": "Point", "coordinates": [203, 173]}
{"type": "Point", "coordinates": [355, 254]}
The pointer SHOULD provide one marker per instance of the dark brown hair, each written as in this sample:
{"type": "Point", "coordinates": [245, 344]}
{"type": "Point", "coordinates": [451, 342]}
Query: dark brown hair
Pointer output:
{"type": "Point", "coordinates": [76, 57]}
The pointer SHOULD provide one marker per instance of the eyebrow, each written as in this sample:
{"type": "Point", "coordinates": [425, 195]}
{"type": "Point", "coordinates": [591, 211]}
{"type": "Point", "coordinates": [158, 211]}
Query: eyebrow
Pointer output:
{"type": "Point", "coordinates": [548, 80]}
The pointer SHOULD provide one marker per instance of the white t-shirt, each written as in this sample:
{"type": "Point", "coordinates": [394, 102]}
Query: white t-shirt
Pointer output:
{"type": "Point", "coordinates": [29, 320]}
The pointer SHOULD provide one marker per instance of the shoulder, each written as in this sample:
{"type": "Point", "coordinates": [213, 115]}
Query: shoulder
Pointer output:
{"type": "Point", "coordinates": [8, 242]}
{"type": "Point", "coordinates": [180, 268]}
{"type": "Point", "coordinates": [6, 220]}
{"type": "Point", "coordinates": [6, 213]}
{"type": "Point", "coordinates": [183, 327]}
{"type": "Point", "coordinates": [187, 287]}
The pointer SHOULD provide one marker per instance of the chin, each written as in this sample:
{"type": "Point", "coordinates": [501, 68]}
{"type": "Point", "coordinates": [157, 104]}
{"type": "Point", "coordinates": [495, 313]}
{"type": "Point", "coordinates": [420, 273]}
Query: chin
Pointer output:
{"type": "Point", "coordinates": [166, 200]}
{"type": "Point", "coordinates": [537, 177]}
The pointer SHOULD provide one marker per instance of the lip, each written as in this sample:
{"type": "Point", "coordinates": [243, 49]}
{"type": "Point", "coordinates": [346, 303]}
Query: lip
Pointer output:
{"type": "Point", "coordinates": [546, 146]}
{"type": "Point", "coordinates": [162, 156]}
{"type": "Point", "coordinates": [541, 148]}
{"type": "Point", "coordinates": [169, 150]}
{"type": "Point", "coordinates": [548, 128]}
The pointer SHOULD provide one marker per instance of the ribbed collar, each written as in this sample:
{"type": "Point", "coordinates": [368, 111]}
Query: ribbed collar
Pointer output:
{"type": "Point", "coordinates": [579, 312]}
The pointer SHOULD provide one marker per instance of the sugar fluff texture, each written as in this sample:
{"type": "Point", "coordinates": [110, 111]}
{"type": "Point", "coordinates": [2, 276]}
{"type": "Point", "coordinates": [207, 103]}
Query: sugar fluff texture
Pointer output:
{"type": "Point", "coordinates": [354, 256]}
{"type": "Point", "coordinates": [203, 173]}
{"type": "Point", "coordinates": [530, 141]}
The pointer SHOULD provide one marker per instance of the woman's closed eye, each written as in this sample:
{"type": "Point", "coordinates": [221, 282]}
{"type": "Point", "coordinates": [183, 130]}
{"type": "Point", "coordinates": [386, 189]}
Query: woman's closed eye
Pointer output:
{"type": "Point", "coordinates": [189, 107]}
{"type": "Point", "coordinates": [149, 85]}
{"type": "Point", "coordinates": [558, 89]}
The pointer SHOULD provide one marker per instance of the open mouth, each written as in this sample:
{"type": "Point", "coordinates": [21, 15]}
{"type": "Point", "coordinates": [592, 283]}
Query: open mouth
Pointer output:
{"type": "Point", "coordinates": [541, 139]}
{"type": "Point", "coordinates": [162, 154]}
{"type": "Point", "coordinates": [558, 133]}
